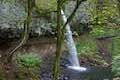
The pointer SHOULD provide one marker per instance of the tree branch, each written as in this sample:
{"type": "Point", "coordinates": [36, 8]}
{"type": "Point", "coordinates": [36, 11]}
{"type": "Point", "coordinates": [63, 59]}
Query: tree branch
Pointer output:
{"type": "Point", "coordinates": [73, 13]}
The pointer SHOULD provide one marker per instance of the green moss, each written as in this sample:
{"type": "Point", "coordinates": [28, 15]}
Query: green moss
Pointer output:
{"type": "Point", "coordinates": [44, 6]}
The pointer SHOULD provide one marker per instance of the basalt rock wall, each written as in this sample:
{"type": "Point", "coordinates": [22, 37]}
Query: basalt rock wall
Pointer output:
{"type": "Point", "coordinates": [14, 12]}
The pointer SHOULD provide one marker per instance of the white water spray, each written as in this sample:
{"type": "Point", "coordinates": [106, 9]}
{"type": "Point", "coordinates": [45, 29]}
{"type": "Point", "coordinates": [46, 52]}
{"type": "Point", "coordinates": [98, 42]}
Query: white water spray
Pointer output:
{"type": "Point", "coordinates": [71, 47]}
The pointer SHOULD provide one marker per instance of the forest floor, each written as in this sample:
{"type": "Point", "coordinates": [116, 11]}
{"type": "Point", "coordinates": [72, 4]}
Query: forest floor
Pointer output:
{"type": "Point", "coordinates": [46, 48]}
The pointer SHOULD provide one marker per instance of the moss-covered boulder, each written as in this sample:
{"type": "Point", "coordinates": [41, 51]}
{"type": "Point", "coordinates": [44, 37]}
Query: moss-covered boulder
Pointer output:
{"type": "Point", "coordinates": [44, 6]}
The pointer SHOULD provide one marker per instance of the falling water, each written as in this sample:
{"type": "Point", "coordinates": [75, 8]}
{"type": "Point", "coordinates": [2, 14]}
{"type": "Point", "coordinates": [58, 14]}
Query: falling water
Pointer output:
{"type": "Point", "coordinates": [71, 47]}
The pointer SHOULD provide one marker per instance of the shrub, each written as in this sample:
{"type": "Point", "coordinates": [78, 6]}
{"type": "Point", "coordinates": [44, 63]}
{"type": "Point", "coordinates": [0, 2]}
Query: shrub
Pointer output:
{"type": "Point", "coordinates": [116, 65]}
{"type": "Point", "coordinates": [29, 60]}
{"type": "Point", "coordinates": [103, 31]}
{"type": "Point", "coordinates": [86, 45]}
{"type": "Point", "coordinates": [27, 65]}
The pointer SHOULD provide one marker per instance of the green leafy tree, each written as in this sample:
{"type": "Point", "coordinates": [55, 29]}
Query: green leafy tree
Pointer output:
{"type": "Point", "coordinates": [101, 11]}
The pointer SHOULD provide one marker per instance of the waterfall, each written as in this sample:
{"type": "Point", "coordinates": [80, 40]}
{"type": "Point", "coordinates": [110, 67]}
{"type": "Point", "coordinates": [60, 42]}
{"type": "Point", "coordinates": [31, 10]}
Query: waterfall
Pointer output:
{"type": "Point", "coordinates": [73, 58]}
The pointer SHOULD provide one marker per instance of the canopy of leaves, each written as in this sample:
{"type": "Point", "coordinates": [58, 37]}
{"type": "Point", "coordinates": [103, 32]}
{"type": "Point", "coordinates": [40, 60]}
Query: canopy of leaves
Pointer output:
{"type": "Point", "coordinates": [101, 11]}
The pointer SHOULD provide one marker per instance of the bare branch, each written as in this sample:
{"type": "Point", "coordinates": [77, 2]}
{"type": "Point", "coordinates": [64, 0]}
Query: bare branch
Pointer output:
{"type": "Point", "coordinates": [78, 2]}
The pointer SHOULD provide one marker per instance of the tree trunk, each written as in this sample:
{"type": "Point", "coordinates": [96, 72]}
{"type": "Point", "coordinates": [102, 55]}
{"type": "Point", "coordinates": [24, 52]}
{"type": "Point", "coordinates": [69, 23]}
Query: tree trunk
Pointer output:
{"type": "Point", "coordinates": [59, 43]}
{"type": "Point", "coordinates": [60, 35]}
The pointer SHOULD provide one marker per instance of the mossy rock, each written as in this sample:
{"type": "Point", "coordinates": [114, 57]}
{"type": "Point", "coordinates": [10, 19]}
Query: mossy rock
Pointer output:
{"type": "Point", "coordinates": [44, 6]}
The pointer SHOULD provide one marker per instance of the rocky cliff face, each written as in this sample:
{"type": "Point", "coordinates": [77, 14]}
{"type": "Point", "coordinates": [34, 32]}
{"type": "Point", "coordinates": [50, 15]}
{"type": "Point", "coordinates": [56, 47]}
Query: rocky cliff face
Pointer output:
{"type": "Point", "coordinates": [12, 16]}
{"type": "Point", "coordinates": [81, 18]}
{"type": "Point", "coordinates": [14, 12]}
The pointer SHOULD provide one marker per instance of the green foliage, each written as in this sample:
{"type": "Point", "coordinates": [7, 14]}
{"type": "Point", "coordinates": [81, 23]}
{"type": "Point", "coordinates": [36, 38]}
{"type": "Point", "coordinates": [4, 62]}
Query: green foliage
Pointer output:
{"type": "Point", "coordinates": [44, 6]}
{"type": "Point", "coordinates": [97, 32]}
{"type": "Point", "coordinates": [103, 31]}
{"type": "Point", "coordinates": [29, 60]}
{"type": "Point", "coordinates": [116, 65]}
{"type": "Point", "coordinates": [27, 65]}
{"type": "Point", "coordinates": [108, 11]}
{"type": "Point", "coordinates": [86, 48]}
{"type": "Point", "coordinates": [86, 45]}
{"type": "Point", "coordinates": [102, 11]}
{"type": "Point", "coordinates": [117, 46]}
{"type": "Point", "coordinates": [116, 55]}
